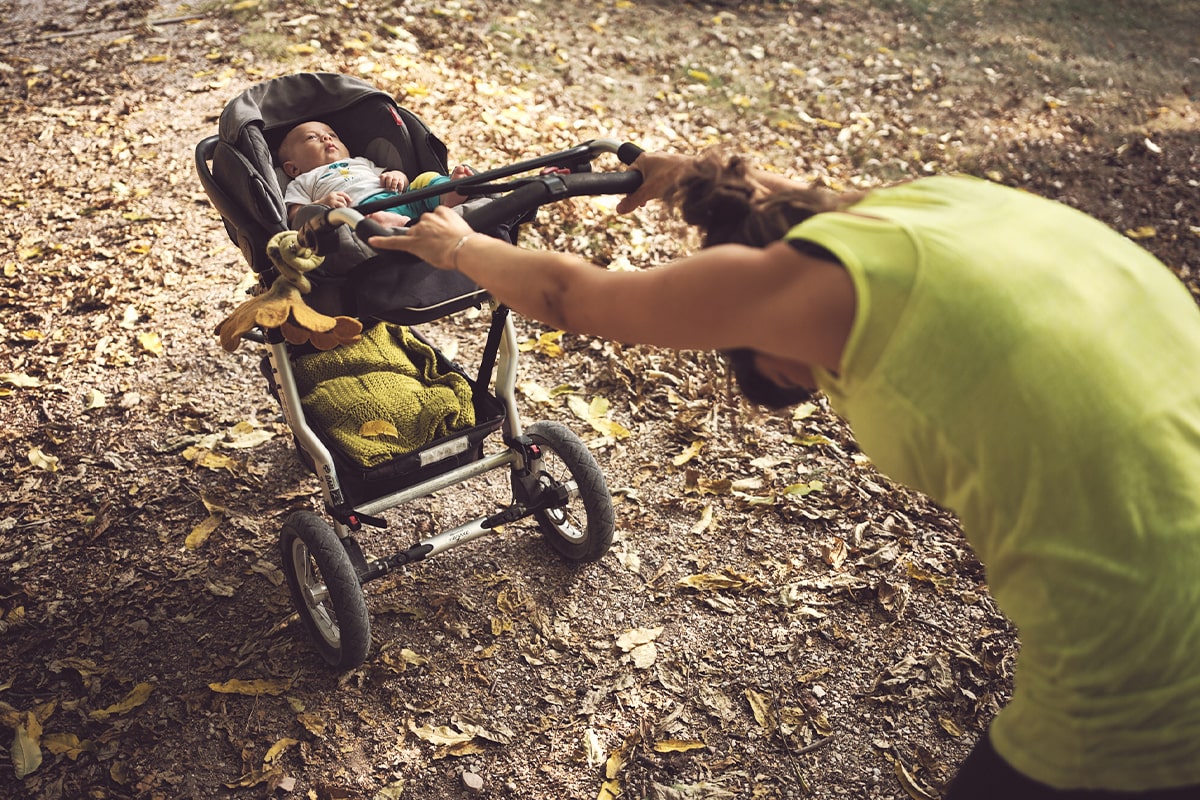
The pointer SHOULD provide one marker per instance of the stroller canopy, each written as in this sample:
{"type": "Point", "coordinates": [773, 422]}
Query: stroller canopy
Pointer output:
{"type": "Point", "coordinates": [286, 102]}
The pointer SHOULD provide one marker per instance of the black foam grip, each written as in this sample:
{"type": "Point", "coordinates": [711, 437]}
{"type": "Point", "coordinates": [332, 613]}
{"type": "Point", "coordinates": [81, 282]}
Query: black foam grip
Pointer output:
{"type": "Point", "coordinates": [550, 189]}
{"type": "Point", "coordinates": [629, 152]}
{"type": "Point", "coordinates": [313, 230]}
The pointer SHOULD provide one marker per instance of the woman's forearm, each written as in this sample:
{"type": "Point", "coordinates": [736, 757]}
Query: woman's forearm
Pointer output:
{"type": "Point", "coordinates": [537, 284]}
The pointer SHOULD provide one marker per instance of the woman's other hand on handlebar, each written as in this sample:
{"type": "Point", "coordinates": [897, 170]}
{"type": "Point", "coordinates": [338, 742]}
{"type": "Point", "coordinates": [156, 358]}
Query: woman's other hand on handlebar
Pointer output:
{"type": "Point", "coordinates": [659, 173]}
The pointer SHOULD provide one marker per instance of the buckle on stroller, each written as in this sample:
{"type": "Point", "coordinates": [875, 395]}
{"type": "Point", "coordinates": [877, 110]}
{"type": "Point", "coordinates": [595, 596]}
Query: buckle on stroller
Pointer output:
{"type": "Point", "coordinates": [354, 519]}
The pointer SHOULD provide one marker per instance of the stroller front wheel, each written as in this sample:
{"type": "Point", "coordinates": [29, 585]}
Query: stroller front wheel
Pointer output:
{"type": "Point", "coordinates": [325, 589]}
{"type": "Point", "coordinates": [582, 530]}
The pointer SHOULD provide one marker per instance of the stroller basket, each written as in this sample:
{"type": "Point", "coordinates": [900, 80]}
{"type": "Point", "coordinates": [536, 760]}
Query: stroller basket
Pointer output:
{"type": "Point", "coordinates": [556, 483]}
{"type": "Point", "coordinates": [396, 463]}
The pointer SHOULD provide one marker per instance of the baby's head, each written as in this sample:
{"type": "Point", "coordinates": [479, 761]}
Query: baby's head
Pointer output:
{"type": "Point", "coordinates": [310, 145]}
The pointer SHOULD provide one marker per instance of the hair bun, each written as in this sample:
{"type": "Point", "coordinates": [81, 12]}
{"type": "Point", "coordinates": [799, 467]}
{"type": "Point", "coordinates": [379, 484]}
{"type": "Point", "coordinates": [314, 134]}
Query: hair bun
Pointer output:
{"type": "Point", "coordinates": [715, 194]}
{"type": "Point", "coordinates": [721, 197]}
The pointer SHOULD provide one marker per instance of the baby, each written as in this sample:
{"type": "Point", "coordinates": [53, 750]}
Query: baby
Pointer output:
{"type": "Point", "coordinates": [324, 172]}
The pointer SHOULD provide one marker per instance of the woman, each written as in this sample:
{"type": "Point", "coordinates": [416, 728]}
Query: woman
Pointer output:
{"type": "Point", "coordinates": [1014, 359]}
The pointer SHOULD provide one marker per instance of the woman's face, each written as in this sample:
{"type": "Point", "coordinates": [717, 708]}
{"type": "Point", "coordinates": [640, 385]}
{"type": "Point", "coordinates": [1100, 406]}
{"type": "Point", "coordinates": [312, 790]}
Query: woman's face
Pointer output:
{"type": "Point", "coordinates": [771, 381]}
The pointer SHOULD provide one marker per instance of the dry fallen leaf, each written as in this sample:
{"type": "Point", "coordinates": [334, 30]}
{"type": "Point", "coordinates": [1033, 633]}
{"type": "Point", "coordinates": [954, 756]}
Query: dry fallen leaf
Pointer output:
{"type": "Point", "coordinates": [206, 458]}
{"type": "Point", "coordinates": [278, 749]}
{"type": "Point", "coordinates": [136, 697]}
{"type": "Point", "coordinates": [763, 709]}
{"type": "Point", "coordinates": [20, 380]}
{"type": "Point", "coordinates": [245, 435]}
{"type": "Point", "coordinates": [595, 413]}
{"type": "Point", "coordinates": [690, 452]}
{"type": "Point", "coordinates": [637, 636]}
{"type": "Point", "coordinates": [151, 343]}
{"type": "Point", "coordinates": [67, 744]}
{"type": "Point", "coordinates": [644, 655]}
{"type": "Point", "coordinates": [254, 688]}
{"type": "Point", "coordinates": [914, 788]}
{"type": "Point", "coordinates": [835, 552]}
{"type": "Point", "coordinates": [678, 745]}
{"type": "Point", "coordinates": [546, 344]}
{"type": "Point", "coordinates": [715, 582]}
{"type": "Point", "coordinates": [949, 726]}
{"type": "Point", "coordinates": [93, 399]}
{"type": "Point", "coordinates": [534, 392]}
{"type": "Point", "coordinates": [24, 752]}
{"type": "Point", "coordinates": [592, 750]}
{"type": "Point", "coordinates": [378, 427]}
{"type": "Point", "coordinates": [199, 534]}
{"type": "Point", "coordinates": [42, 461]}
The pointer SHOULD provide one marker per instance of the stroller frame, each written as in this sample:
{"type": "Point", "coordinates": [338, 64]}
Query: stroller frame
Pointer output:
{"type": "Point", "coordinates": [554, 478]}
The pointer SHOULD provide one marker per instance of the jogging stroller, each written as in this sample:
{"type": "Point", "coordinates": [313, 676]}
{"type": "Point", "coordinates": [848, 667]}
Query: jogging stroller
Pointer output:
{"type": "Point", "coordinates": [554, 479]}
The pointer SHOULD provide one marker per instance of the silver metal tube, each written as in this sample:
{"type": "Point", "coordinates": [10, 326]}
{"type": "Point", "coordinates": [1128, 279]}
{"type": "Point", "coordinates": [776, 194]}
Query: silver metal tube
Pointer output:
{"type": "Point", "coordinates": [439, 482]}
{"type": "Point", "coordinates": [293, 412]}
{"type": "Point", "coordinates": [455, 536]}
{"type": "Point", "coordinates": [605, 145]}
{"type": "Point", "coordinates": [344, 216]}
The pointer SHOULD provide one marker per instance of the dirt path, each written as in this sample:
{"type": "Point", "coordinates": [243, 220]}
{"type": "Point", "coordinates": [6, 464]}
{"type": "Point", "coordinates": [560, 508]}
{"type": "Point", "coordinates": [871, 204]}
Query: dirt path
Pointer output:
{"type": "Point", "coordinates": [836, 642]}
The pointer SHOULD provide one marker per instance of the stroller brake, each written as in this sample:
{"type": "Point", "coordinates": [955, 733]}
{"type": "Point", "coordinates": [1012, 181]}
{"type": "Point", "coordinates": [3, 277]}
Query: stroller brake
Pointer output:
{"type": "Point", "coordinates": [549, 495]}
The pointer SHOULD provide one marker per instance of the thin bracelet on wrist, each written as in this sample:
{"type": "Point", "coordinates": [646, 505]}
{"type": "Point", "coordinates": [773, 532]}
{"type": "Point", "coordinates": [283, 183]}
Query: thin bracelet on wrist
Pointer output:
{"type": "Point", "coordinates": [458, 246]}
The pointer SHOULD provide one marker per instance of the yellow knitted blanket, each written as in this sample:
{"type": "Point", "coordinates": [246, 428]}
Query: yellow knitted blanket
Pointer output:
{"type": "Point", "coordinates": [383, 396]}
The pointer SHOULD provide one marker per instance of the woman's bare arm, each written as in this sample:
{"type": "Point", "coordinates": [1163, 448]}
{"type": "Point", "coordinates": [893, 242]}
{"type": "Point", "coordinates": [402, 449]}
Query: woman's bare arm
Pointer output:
{"type": "Point", "coordinates": [772, 299]}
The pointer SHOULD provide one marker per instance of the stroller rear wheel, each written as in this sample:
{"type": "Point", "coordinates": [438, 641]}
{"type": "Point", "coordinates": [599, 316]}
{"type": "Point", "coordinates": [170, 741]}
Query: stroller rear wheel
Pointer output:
{"type": "Point", "coordinates": [325, 589]}
{"type": "Point", "coordinates": [582, 530]}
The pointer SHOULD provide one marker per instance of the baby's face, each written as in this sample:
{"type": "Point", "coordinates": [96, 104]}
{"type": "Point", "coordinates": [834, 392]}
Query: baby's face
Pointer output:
{"type": "Point", "coordinates": [311, 145]}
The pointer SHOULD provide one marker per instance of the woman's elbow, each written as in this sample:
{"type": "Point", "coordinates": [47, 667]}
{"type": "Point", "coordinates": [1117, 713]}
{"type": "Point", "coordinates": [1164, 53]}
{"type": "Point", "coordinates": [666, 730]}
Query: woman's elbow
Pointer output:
{"type": "Point", "coordinates": [554, 311]}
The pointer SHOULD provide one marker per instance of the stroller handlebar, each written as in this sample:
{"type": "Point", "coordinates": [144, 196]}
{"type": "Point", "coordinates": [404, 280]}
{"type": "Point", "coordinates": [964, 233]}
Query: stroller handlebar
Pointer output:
{"type": "Point", "coordinates": [316, 223]}
{"type": "Point", "coordinates": [549, 189]}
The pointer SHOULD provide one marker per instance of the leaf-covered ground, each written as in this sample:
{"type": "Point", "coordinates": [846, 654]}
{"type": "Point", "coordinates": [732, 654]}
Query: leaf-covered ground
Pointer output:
{"type": "Point", "coordinates": [775, 619]}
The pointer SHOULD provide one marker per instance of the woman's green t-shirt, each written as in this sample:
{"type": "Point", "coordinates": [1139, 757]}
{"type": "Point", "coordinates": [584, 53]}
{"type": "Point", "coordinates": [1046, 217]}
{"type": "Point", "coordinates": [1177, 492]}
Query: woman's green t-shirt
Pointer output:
{"type": "Point", "coordinates": [1039, 374]}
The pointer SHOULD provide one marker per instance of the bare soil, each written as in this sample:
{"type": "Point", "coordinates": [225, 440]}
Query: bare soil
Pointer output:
{"type": "Point", "coordinates": [775, 619]}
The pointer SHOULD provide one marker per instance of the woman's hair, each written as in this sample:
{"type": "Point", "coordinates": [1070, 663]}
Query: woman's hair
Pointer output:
{"type": "Point", "coordinates": [718, 195]}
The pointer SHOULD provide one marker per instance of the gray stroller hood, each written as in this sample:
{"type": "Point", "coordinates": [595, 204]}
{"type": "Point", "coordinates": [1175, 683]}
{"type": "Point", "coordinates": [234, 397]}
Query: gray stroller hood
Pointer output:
{"type": "Point", "coordinates": [366, 119]}
{"type": "Point", "coordinates": [286, 102]}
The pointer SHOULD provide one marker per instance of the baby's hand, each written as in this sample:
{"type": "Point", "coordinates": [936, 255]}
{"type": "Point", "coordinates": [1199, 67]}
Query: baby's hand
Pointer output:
{"type": "Point", "coordinates": [394, 180]}
{"type": "Point", "coordinates": [334, 200]}
{"type": "Point", "coordinates": [451, 199]}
